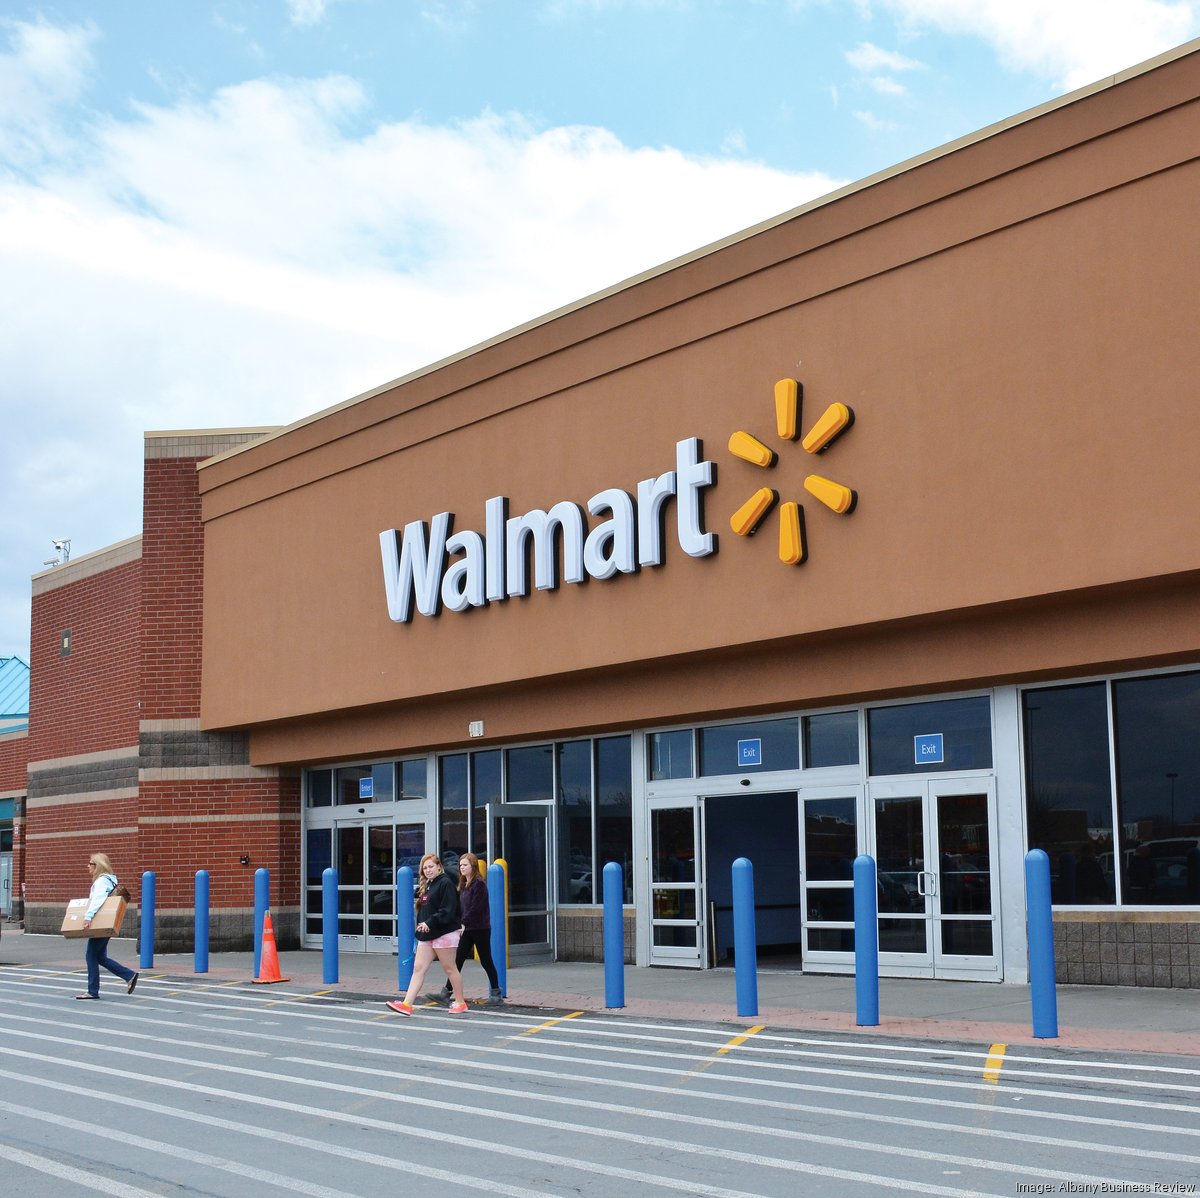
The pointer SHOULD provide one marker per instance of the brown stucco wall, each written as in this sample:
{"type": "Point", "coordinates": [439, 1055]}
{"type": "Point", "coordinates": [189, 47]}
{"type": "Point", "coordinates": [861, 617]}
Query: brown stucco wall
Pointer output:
{"type": "Point", "coordinates": [1013, 325]}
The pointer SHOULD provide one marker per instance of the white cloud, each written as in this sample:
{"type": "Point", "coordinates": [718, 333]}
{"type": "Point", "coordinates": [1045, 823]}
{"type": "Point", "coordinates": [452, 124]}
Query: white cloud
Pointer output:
{"type": "Point", "coordinates": [47, 70]}
{"type": "Point", "coordinates": [868, 58]}
{"type": "Point", "coordinates": [306, 13]}
{"type": "Point", "coordinates": [874, 123]}
{"type": "Point", "coordinates": [1072, 42]}
{"type": "Point", "coordinates": [249, 260]}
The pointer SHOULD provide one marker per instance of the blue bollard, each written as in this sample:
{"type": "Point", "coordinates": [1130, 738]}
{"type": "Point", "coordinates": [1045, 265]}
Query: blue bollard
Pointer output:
{"type": "Point", "coordinates": [866, 942]}
{"type": "Point", "coordinates": [262, 900]}
{"type": "Point", "coordinates": [406, 928]}
{"type": "Point", "coordinates": [146, 958]}
{"type": "Point", "coordinates": [495, 885]}
{"type": "Point", "coordinates": [613, 885]}
{"type": "Point", "coordinates": [200, 950]}
{"type": "Point", "coordinates": [1039, 925]}
{"type": "Point", "coordinates": [329, 926]}
{"type": "Point", "coordinates": [745, 940]}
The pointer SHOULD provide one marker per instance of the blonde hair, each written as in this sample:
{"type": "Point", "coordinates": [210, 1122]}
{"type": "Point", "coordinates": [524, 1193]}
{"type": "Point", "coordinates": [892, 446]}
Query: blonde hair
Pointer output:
{"type": "Point", "coordinates": [421, 870]}
{"type": "Point", "coordinates": [102, 863]}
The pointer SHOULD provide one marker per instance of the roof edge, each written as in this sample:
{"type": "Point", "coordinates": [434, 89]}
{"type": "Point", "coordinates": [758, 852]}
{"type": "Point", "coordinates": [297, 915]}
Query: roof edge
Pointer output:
{"type": "Point", "coordinates": [968, 139]}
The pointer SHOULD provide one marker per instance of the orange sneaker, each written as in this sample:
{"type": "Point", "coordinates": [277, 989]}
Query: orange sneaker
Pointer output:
{"type": "Point", "coordinates": [400, 1007]}
{"type": "Point", "coordinates": [458, 1008]}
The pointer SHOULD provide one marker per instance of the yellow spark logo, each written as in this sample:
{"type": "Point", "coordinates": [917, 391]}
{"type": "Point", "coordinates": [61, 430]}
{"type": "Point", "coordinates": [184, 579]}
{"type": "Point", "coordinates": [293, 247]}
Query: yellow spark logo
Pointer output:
{"type": "Point", "coordinates": [834, 421]}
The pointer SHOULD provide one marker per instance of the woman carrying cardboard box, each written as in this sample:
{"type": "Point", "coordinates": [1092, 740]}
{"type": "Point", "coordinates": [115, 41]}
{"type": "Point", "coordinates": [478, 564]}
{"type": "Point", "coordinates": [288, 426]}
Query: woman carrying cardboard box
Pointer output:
{"type": "Point", "coordinates": [104, 882]}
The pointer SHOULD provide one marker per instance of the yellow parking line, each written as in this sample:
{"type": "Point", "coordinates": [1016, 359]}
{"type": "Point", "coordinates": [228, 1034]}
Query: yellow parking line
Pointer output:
{"type": "Point", "coordinates": [550, 1023]}
{"type": "Point", "coordinates": [994, 1063]}
{"type": "Point", "coordinates": [758, 1027]}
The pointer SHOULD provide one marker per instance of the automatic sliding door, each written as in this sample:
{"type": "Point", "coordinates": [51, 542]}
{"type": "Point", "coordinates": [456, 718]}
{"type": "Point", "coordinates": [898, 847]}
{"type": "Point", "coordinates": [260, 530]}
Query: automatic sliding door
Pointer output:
{"type": "Point", "coordinates": [349, 861]}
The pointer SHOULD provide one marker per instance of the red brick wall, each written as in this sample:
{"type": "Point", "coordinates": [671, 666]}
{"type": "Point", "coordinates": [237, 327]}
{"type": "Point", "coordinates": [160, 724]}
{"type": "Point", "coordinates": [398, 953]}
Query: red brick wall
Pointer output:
{"type": "Point", "coordinates": [87, 701]}
{"type": "Point", "coordinates": [219, 838]}
{"type": "Point", "coordinates": [173, 580]}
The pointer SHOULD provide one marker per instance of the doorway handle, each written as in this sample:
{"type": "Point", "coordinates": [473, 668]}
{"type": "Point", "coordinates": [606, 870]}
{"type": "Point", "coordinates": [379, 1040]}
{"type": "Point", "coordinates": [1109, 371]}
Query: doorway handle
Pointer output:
{"type": "Point", "coordinates": [926, 884]}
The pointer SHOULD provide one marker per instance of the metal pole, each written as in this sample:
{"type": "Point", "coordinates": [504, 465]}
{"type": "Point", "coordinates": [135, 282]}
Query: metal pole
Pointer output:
{"type": "Point", "coordinates": [495, 885]}
{"type": "Point", "coordinates": [406, 928]}
{"type": "Point", "coordinates": [866, 942]}
{"type": "Point", "coordinates": [612, 881]}
{"type": "Point", "coordinates": [1040, 927]}
{"type": "Point", "coordinates": [262, 900]}
{"type": "Point", "coordinates": [329, 926]}
{"type": "Point", "coordinates": [200, 951]}
{"type": "Point", "coordinates": [745, 939]}
{"type": "Point", "coordinates": [146, 959]}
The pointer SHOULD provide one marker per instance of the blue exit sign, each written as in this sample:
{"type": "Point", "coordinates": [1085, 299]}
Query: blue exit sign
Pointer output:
{"type": "Point", "coordinates": [928, 750]}
{"type": "Point", "coordinates": [749, 752]}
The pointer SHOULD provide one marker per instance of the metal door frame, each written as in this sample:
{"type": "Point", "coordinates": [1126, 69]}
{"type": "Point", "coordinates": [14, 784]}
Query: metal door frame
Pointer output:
{"type": "Point", "coordinates": [827, 960]}
{"type": "Point", "coordinates": [546, 813]}
{"type": "Point", "coordinates": [933, 963]}
{"type": "Point", "coordinates": [680, 955]}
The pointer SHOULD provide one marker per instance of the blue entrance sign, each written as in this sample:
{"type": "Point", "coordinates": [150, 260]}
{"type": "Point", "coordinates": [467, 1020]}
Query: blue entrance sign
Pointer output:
{"type": "Point", "coordinates": [927, 749]}
{"type": "Point", "coordinates": [749, 752]}
{"type": "Point", "coordinates": [366, 788]}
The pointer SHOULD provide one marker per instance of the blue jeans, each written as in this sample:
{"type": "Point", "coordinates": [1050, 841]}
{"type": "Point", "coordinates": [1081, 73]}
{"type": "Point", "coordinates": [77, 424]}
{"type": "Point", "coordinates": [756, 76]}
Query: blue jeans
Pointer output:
{"type": "Point", "coordinates": [97, 955]}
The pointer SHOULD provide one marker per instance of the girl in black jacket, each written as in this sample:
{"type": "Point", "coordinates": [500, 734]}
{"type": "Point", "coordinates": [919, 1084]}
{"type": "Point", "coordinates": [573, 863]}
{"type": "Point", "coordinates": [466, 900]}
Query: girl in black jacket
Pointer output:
{"type": "Point", "coordinates": [437, 932]}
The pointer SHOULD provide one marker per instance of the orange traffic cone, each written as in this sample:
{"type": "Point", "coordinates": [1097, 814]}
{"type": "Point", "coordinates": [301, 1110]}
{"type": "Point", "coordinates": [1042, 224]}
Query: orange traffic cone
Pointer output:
{"type": "Point", "coordinates": [268, 969]}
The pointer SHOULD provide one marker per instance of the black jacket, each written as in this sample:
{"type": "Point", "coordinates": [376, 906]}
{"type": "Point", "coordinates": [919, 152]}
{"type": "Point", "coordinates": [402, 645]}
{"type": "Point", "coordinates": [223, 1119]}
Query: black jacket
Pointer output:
{"type": "Point", "coordinates": [438, 909]}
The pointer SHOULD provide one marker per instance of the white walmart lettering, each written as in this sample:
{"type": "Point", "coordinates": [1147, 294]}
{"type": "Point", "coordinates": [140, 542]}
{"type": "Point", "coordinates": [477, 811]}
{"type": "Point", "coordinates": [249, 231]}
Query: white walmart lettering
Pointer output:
{"type": "Point", "coordinates": [493, 566]}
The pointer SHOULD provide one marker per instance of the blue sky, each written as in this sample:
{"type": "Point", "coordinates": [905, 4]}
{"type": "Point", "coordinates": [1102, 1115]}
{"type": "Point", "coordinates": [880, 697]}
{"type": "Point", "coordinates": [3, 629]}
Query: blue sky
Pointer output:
{"type": "Point", "coordinates": [231, 213]}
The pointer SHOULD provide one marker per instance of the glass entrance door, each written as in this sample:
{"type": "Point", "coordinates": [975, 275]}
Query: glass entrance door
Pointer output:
{"type": "Point", "coordinates": [520, 833]}
{"type": "Point", "coordinates": [677, 923]}
{"type": "Point", "coordinates": [366, 857]}
{"type": "Point", "coordinates": [829, 842]}
{"type": "Point", "coordinates": [934, 849]}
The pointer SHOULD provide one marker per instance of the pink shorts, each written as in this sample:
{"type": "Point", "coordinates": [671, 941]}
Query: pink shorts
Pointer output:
{"type": "Point", "coordinates": [449, 940]}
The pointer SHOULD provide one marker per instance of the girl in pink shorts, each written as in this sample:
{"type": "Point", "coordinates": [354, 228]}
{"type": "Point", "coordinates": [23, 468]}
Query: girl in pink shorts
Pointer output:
{"type": "Point", "coordinates": [437, 931]}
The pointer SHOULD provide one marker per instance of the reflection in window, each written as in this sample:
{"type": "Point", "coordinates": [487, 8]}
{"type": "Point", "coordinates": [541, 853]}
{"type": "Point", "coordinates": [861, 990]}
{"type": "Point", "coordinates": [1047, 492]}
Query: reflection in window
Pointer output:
{"type": "Point", "coordinates": [452, 803]}
{"type": "Point", "coordinates": [347, 784]}
{"type": "Point", "coordinates": [750, 748]}
{"type": "Point", "coordinates": [413, 779]}
{"type": "Point", "coordinates": [669, 754]}
{"type": "Point", "coordinates": [1068, 790]}
{"type": "Point", "coordinates": [486, 785]}
{"type": "Point", "coordinates": [575, 865]}
{"type": "Point", "coordinates": [1158, 788]}
{"type": "Point", "coordinates": [964, 725]}
{"type": "Point", "coordinates": [614, 810]}
{"type": "Point", "coordinates": [530, 774]}
{"type": "Point", "coordinates": [320, 788]}
{"type": "Point", "coordinates": [831, 739]}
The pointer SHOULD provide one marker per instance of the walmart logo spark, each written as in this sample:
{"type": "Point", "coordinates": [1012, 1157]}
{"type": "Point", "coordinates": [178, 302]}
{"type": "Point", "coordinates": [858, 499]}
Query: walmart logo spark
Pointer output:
{"type": "Point", "coordinates": [834, 421]}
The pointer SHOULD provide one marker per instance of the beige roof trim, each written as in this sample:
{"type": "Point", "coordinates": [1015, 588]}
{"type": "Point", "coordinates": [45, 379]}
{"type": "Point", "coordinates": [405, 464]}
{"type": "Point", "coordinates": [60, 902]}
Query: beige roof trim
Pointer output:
{"type": "Point", "coordinates": [88, 564]}
{"type": "Point", "coordinates": [745, 234]}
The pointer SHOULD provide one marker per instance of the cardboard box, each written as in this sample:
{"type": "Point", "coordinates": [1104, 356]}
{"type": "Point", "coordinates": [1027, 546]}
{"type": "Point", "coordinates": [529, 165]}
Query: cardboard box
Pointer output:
{"type": "Point", "coordinates": [106, 921]}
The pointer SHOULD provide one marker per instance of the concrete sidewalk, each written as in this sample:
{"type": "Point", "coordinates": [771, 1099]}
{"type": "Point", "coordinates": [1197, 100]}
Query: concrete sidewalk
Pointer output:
{"type": "Point", "coordinates": [1122, 1018]}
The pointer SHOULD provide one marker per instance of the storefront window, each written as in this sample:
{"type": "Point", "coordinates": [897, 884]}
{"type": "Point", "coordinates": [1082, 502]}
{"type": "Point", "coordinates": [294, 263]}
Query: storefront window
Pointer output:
{"type": "Point", "coordinates": [452, 803]}
{"type": "Point", "coordinates": [750, 748]}
{"type": "Point", "coordinates": [614, 810]}
{"type": "Point", "coordinates": [575, 873]}
{"type": "Point", "coordinates": [1068, 790]}
{"type": "Point", "coordinates": [413, 779]}
{"type": "Point", "coordinates": [485, 789]}
{"type": "Point", "coordinates": [945, 736]}
{"type": "Point", "coordinates": [1158, 788]}
{"type": "Point", "coordinates": [530, 774]}
{"type": "Point", "coordinates": [320, 788]}
{"type": "Point", "coordinates": [831, 739]}
{"type": "Point", "coordinates": [669, 754]}
{"type": "Point", "coordinates": [348, 784]}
